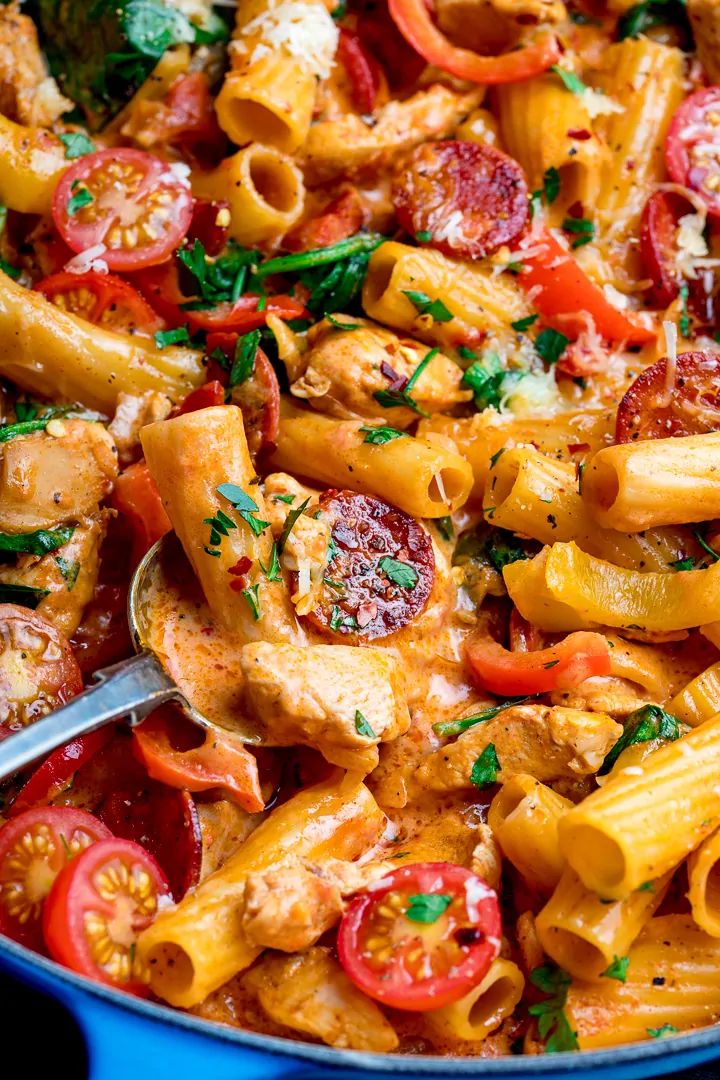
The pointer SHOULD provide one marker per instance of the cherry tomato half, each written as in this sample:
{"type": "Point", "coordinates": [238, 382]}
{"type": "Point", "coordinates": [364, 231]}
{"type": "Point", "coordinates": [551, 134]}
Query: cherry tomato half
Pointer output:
{"type": "Point", "coordinates": [160, 285]}
{"type": "Point", "coordinates": [98, 905]}
{"type": "Point", "coordinates": [126, 199]}
{"type": "Point", "coordinates": [693, 407]}
{"type": "Point", "coordinates": [421, 937]}
{"type": "Point", "coordinates": [38, 671]}
{"type": "Point", "coordinates": [210, 224]}
{"type": "Point", "coordinates": [55, 773]}
{"type": "Point", "coordinates": [103, 299]}
{"type": "Point", "coordinates": [34, 847]}
{"type": "Point", "coordinates": [212, 393]}
{"type": "Point", "coordinates": [658, 244]}
{"type": "Point", "coordinates": [694, 129]}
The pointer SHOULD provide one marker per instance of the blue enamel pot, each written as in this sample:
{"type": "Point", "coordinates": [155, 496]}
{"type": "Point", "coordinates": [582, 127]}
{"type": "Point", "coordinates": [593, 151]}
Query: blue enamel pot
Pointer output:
{"type": "Point", "coordinates": [131, 1039]}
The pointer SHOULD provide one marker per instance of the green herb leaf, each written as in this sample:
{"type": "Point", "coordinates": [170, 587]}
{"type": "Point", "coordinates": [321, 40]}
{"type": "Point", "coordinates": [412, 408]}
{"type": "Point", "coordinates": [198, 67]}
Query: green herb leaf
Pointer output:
{"type": "Point", "coordinates": [290, 520]}
{"type": "Point", "coordinates": [444, 526]}
{"type": "Point", "coordinates": [550, 345]}
{"type": "Point", "coordinates": [581, 226]}
{"type": "Point", "coordinates": [340, 11]}
{"type": "Point", "coordinates": [683, 564]}
{"type": "Point", "coordinates": [551, 184]}
{"type": "Point", "coordinates": [425, 306]}
{"type": "Point", "coordinates": [25, 595]}
{"type": "Point", "coordinates": [40, 542]}
{"type": "Point", "coordinates": [342, 325]}
{"type": "Point", "coordinates": [77, 145]}
{"type": "Point", "coordinates": [684, 320]}
{"type": "Point", "coordinates": [647, 886]}
{"type": "Point", "coordinates": [553, 1024]}
{"type": "Point", "coordinates": [211, 551]}
{"type": "Point", "coordinates": [661, 1032]}
{"type": "Point", "coordinates": [379, 435]}
{"type": "Point", "coordinates": [503, 548]}
{"type": "Point", "coordinates": [305, 260]}
{"type": "Point", "coordinates": [362, 727]}
{"type": "Point", "coordinates": [465, 353]}
{"type": "Point", "coordinates": [618, 969]}
{"type": "Point", "coordinates": [423, 236]}
{"type": "Point", "coordinates": [570, 80]}
{"type": "Point", "coordinates": [272, 573]}
{"type": "Point", "coordinates": [649, 722]}
{"type": "Point", "coordinates": [701, 541]}
{"type": "Point", "coordinates": [179, 336]}
{"type": "Point", "coordinates": [78, 200]}
{"type": "Point", "coordinates": [243, 364]}
{"type": "Point", "coordinates": [524, 324]}
{"type": "Point", "coordinates": [13, 272]}
{"type": "Point", "coordinates": [427, 907]}
{"type": "Point", "coordinates": [236, 495]}
{"type": "Point", "coordinates": [251, 595]}
{"type": "Point", "coordinates": [25, 427]}
{"type": "Point", "coordinates": [642, 17]}
{"type": "Point", "coordinates": [485, 770]}
{"type": "Point", "coordinates": [456, 727]}
{"type": "Point", "coordinates": [400, 573]}
{"type": "Point", "coordinates": [419, 369]}
{"type": "Point", "coordinates": [289, 499]}
{"type": "Point", "coordinates": [69, 571]}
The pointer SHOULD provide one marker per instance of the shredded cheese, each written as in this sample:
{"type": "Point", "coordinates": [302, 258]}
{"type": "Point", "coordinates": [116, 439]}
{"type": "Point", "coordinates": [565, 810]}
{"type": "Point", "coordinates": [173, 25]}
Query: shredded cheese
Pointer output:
{"type": "Point", "coordinates": [90, 259]}
{"type": "Point", "coordinates": [670, 331]}
{"type": "Point", "coordinates": [598, 104]}
{"type": "Point", "coordinates": [305, 30]}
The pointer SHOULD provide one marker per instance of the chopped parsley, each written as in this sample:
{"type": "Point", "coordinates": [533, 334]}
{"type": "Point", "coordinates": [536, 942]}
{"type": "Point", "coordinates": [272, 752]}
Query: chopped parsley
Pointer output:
{"type": "Point", "coordinates": [40, 542]}
{"type": "Point", "coordinates": [25, 595]}
{"type": "Point", "coordinates": [496, 457]}
{"type": "Point", "coordinates": [69, 571]}
{"type": "Point", "coordinates": [272, 572]}
{"type": "Point", "coordinates": [27, 422]}
{"type": "Point", "coordinates": [570, 80]}
{"type": "Point", "coordinates": [524, 324]}
{"type": "Point", "coordinates": [456, 727]}
{"type": "Point", "coordinates": [583, 227]}
{"type": "Point", "coordinates": [341, 325]}
{"type": "Point", "coordinates": [306, 260]}
{"type": "Point", "coordinates": [647, 886]}
{"type": "Point", "coordinates": [81, 198]}
{"type": "Point", "coordinates": [362, 727]}
{"type": "Point", "coordinates": [425, 306]}
{"type": "Point", "coordinates": [290, 520]}
{"type": "Point", "coordinates": [289, 499]}
{"type": "Point", "coordinates": [484, 771]}
{"type": "Point", "coordinates": [219, 280]}
{"type": "Point", "coordinates": [683, 564]}
{"type": "Point", "coordinates": [551, 184]}
{"type": "Point", "coordinates": [646, 723]}
{"type": "Point", "coordinates": [550, 345]}
{"type": "Point", "coordinates": [553, 1024]}
{"type": "Point", "coordinates": [424, 236]}
{"type": "Point", "coordinates": [684, 320]}
{"type": "Point", "coordinates": [400, 395]}
{"type": "Point", "coordinates": [444, 526]}
{"type": "Point", "coordinates": [701, 541]}
{"type": "Point", "coordinates": [251, 595]}
{"type": "Point", "coordinates": [503, 548]}
{"type": "Point", "coordinates": [243, 364]}
{"type": "Point", "coordinates": [661, 1032]}
{"type": "Point", "coordinates": [77, 145]}
{"type": "Point", "coordinates": [219, 527]}
{"type": "Point", "coordinates": [640, 18]}
{"type": "Point", "coordinates": [13, 272]}
{"type": "Point", "coordinates": [400, 573]}
{"type": "Point", "coordinates": [244, 505]}
{"type": "Point", "coordinates": [489, 381]}
{"type": "Point", "coordinates": [379, 435]}
{"type": "Point", "coordinates": [179, 336]}
{"type": "Point", "coordinates": [427, 907]}
{"type": "Point", "coordinates": [618, 969]}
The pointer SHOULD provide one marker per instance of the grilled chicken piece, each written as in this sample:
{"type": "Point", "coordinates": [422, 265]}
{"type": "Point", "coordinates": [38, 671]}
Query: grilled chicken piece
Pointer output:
{"type": "Point", "coordinates": [133, 412]}
{"type": "Point", "coordinates": [28, 93]}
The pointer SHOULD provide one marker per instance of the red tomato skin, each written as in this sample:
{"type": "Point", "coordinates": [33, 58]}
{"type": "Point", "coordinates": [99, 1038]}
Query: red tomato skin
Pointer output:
{"type": "Point", "coordinates": [658, 248]}
{"type": "Point", "coordinates": [362, 70]}
{"type": "Point", "coordinates": [185, 118]}
{"type": "Point", "coordinates": [437, 991]}
{"type": "Point", "coordinates": [677, 147]}
{"type": "Point", "coordinates": [103, 636]}
{"type": "Point", "coordinates": [204, 226]}
{"type": "Point", "coordinates": [559, 667]}
{"type": "Point", "coordinates": [54, 774]}
{"type": "Point", "coordinates": [243, 315]}
{"type": "Point", "coordinates": [110, 291]}
{"type": "Point", "coordinates": [212, 393]}
{"type": "Point", "coordinates": [136, 495]}
{"type": "Point", "coordinates": [160, 285]}
{"type": "Point", "coordinates": [73, 894]}
{"type": "Point", "coordinates": [63, 821]}
{"type": "Point", "coordinates": [156, 174]}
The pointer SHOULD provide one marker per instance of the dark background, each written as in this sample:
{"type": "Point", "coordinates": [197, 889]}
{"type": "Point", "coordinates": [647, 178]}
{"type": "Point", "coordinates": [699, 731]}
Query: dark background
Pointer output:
{"type": "Point", "coordinates": [56, 1051]}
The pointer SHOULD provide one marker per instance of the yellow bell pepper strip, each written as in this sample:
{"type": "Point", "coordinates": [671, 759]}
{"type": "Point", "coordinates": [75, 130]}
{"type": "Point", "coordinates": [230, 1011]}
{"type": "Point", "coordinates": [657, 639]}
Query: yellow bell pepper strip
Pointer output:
{"type": "Point", "coordinates": [32, 161]}
{"type": "Point", "coordinates": [700, 699]}
{"type": "Point", "coordinates": [525, 583]}
{"type": "Point", "coordinates": [412, 19]}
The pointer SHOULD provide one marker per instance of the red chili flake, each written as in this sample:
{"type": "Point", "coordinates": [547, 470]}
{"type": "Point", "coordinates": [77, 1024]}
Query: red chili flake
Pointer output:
{"type": "Point", "coordinates": [239, 584]}
{"type": "Point", "coordinates": [578, 447]}
{"type": "Point", "coordinates": [576, 210]}
{"type": "Point", "coordinates": [208, 630]}
{"type": "Point", "coordinates": [241, 566]}
{"type": "Point", "coordinates": [579, 133]}
{"type": "Point", "coordinates": [398, 382]}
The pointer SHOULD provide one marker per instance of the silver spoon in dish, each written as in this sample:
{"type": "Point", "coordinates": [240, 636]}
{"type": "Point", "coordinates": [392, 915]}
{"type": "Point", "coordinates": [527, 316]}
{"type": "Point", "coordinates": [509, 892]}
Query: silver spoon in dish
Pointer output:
{"type": "Point", "coordinates": [128, 690]}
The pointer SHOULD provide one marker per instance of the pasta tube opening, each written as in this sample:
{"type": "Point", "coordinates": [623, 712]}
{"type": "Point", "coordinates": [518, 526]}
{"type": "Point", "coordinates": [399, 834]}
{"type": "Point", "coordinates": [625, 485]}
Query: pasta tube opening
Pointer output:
{"type": "Point", "coordinates": [274, 180]}
{"type": "Point", "coordinates": [255, 122]}
{"type": "Point", "coordinates": [704, 891]}
{"type": "Point", "coordinates": [448, 485]}
{"type": "Point", "coordinates": [591, 848]}
{"type": "Point", "coordinates": [172, 969]}
{"type": "Point", "coordinates": [604, 482]}
{"type": "Point", "coordinates": [480, 1012]}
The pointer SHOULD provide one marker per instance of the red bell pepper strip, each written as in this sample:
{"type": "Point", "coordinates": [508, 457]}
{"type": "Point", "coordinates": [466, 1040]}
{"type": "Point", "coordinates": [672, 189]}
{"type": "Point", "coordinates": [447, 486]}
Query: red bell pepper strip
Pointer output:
{"type": "Point", "coordinates": [212, 393]}
{"type": "Point", "coordinates": [54, 775]}
{"type": "Point", "coordinates": [413, 20]}
{"type": "Point", "coordinates": [136, 496]}
{"type": "Point", "coordinates": [560, 667]}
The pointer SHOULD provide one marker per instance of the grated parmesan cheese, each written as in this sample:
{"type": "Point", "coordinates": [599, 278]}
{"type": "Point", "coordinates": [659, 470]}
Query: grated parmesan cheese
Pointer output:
{"type": "Point", "coordinates": [90, 259]}
{"type": "Point", "coordinates": [615, 297]}
{"type": "Point", "coordinates": [670, 331]}
{"type": "Point", "coordinates": [305, 30]}
{"type": "Point", "coordinates": [450, 230]}
{"type": "Point", "coordinates": [598, 104]}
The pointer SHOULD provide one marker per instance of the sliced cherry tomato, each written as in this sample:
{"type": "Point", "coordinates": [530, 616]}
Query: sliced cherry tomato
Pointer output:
{"type": "Point", "coordinates": [103, 299]}
{"type": "Point", "coordinates": [38, 671]}
{"type": "Point", "coordinates": [341, 219]}
{"type": "Point", "coordinates": [244, 315]}
{"type": "Point", "coordinates": [100, 902]}
{"type": "Point", "coordinates": [362, 70]}
{"type": "Point", "coordinates": [160, 285]}
{"type": "Point", "coordinates": [692, 407]}
{"type": "Point", "coordinates": [57, 771]}
{"type": "Point", "coordinates": [165, 822]}
{"type": "Point", "coordinates": [34, 847]}
{"type": "Point", "coordinates": [186, 118]}
{"type": "Point", "coordinates": [126, 199]}
{"type": "Point", "coordinates": [383, 563]}
{"type": "Point", "coordinates": [136, 495]}
{"type": "Point", "coordinates": [414, 22]}
{"type": "Point", "coordinates": [210, 224]}
{"type": "Point", "coordinates": [564, 294]}
{"type": "Point", "coordinates": [167, 745]}
{"type": "Point", "coordinates": [559, 667]}
{"type": "Point", "coordinates": [469, 196]}
{"type": "Point", "coordinates": [692, 146]}
{"type": "Point", "coordinates": [259, 400]}
{"type": "Point", "coordinates": [212, 393]}
{"type": "Point", "coordinates": [658, 244]}
{"type": "Point", "coordinates": [422, 937]}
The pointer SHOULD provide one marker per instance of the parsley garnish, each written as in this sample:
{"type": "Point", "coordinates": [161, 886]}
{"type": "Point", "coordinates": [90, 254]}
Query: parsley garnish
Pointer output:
{"type": "Point", "coordinates": [69, 571]}
{"type": "Point", "coordinates": [362, 727]}
{"type": "Point", "coordinates": [582, 226]}
{"type": "Point", "coordinates": [306, 260]}
{"type": "Point", "coordinates": [649, 722]}
{"type": "Point", "coordinates": [251, 595]}
{"type": "Point", "coordinates": [444, 526]}
{"type": "Point", "coordinates": [551, 184]}
{"type": "Point", "coordinates": [503, 548]}
{"type": "Point", "coordinates": [25, 595]}
{"type": "Point", "coordinates": [13, 272]}
{"type": "Point", "coordinates": [496, 457]}
{"type": "Point", "coordinates": [289, 499]}
{"type": "Point", "coordinates": [243, 364]}
{"type": "Point", "coordinates": [550, 345]}
{"type": "Point", "coordinates": [425, 306]}
{"type": "Point", "coordinates": [380, 435]}
{"type": "Point", "coordinates": [456, 727]}
{"type": "Point", "coordinates": [684, 320]}
{"type": "Point", "coordinates": [389, 398]}
{"type": "Point", "coordinates": [647, 886]}
{"type": "Point", "coordinates": [272, 572]}
{"type": "Point", "coordinates": [179, 336]}
{"type": "Point", "coordinates": [485, 770]}
{"type": "Point", "coordinates": [78, 200]}
{"type": "Point", "coordinates": [651, 13]}
{"type": "Point", "coordinates": [427, 907]}
{"type": "Point", "coordinates": [683, 564]}
{"type": "Point", "coordinates": [400, 573]}
{"type": "Point", "coordinates": [661, 1032]}
{"type": "Point", "coordinates": [570, 80]}
{"type": "Point", "coordinates": [219, 526]}
{"type": "Point", "coordinates": [342, 325]}
{"type": "Point", "coordinates": [618, 969]}
{"type": "Point", "coordinates": [77, 145]}
{"type": "Point", "coordinates": [424, 236]}
{"type": "Point", "coordinates": [550, 1014]}
{"type": "Point", "coordinates": [40, 542]}
{"type": "Point", "coordinates": [524, 324]}
{"type": "Point", "coordinates": [701, 541]}
{"type": "Point", "coordinates": [551, 664]}
{"type": "Point", "coordinates": [339, 619]}
{"type": "Point", "coordinates": [489, 381]}
{"type": "Point", "coordinates": [26, 426]}
{"type": "Point", "coordinates": [244, 505]}
{"type": "Point", "coordinates": [220, 280]}
{"type": "Point", "coordinates": [466, 354]}
{"type": "Point", "coordinates": [290, 520]}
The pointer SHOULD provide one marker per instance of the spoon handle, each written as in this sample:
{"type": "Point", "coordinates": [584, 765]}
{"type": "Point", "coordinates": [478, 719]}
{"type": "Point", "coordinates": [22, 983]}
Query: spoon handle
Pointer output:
{"type": "Point", "coordinates": [130, 689]}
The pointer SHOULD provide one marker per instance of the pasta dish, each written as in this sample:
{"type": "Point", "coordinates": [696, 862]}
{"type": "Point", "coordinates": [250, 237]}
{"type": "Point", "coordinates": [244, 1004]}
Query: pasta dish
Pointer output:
{"type": "Point", "coordinates": [398, 323]}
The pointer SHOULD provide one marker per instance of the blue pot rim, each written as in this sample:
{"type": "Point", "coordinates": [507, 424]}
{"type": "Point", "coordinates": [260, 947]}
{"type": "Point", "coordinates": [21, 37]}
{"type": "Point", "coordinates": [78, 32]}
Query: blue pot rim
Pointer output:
{"type": "Point", "coordinates": [51, 978]}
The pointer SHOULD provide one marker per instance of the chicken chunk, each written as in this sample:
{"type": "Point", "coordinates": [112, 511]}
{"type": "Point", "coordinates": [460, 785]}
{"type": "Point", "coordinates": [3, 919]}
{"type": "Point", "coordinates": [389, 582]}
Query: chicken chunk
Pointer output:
{"type": "Point", "coordinates": [133, 412]}
{"type": "Point", "coordinates": [28, 93]}
{"type": "Point", "coordinates": [705, 21]}
{"type": "Point", "coordinates": [282, 494]}
{"type": "Point", "coordinates": [310, 992]}
{"type": "Point", "coordinates": [345, 369]}
{"type": "Point", "coordinates": [319, 696]}
{"type": "Point", "coordinates": [60, 474]}
{"type": "Point", "coordinates": [545, 742]}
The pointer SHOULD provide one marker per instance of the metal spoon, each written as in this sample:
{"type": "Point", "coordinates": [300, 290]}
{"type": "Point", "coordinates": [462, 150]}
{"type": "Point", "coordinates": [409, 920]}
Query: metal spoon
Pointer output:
{"type": "Point", "coordinates": [130, 689]}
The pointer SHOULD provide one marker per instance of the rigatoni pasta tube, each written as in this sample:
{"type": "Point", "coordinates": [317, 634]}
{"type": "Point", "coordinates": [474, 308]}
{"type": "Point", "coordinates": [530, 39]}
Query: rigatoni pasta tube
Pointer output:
{"type": "Point", "coordinates": [419, 477]}
{"type": "Point", "coordinates": [700, 699]}
{"type": "Point", "coordinates": [264, 188]}
{"type": "Point", "coordinates": [582, 933]}
{"type": "Point", "coordinates": [637, 827]}
{"type": "Point", "coordinates": [196, 946]}
{"type": "Point", "coordinates": [563, 588]}
{"type": "Point", "coordinates": [673, 978]}
{"type": "Point", "coordinates": [190, 457]}
{"type": "Point", "coordinates": [531, 493]}
{"type": "Point", "coordinates": [49, 352]}
{"type": "Point", "coordinates": [524, 818]}
{"type": "Point", "coordinates": [31, 163]}
{"type": "Point", "coordinates": [634, 486]}
{"type": "Point", "coordinates": [703, 867]}
{"type": "Point", "coordinates": [468, 290]}
{"type": "Point", "coordinates": [477, 1014]}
